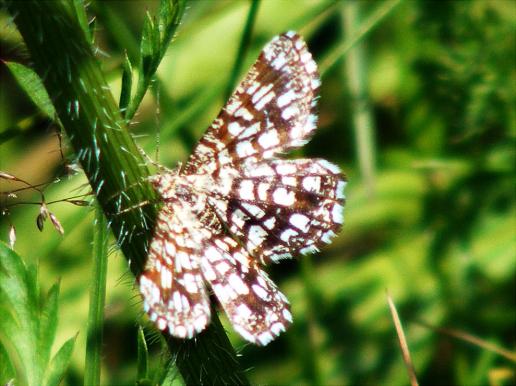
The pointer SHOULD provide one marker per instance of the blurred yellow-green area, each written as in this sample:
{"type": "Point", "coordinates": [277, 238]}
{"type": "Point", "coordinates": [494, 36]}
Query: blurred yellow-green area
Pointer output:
{"type": "Point", "coordinates": [419, 113]}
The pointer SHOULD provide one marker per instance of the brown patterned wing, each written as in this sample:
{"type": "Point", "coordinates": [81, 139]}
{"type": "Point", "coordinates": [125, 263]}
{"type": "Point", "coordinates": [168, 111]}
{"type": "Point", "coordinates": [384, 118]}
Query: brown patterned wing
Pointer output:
{"type": "Point", "coordinates": [272, 110]}
{"type": "Point", "coordinates": [173, 290]}
{"type": "Point", "coordinates": [282, 208]}
{"type": "Point", "coordinates": [258, 311]}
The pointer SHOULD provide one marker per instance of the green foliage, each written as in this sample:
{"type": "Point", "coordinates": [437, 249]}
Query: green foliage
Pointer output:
{"type": "Point", "coordinates": [431, 219]}
{"type": "Point", "coordinates": [127, 84]}
{"type": "Point", "coordinates": [97, 301]}
{"type": "Point", "coordinates": [30, 82]}
{"type": "Point", "coordinates": [28, 326]}
{"type": "Point", "coordinates": [143, 356]}
{"type": "Point", "coordinates": [156, 35]}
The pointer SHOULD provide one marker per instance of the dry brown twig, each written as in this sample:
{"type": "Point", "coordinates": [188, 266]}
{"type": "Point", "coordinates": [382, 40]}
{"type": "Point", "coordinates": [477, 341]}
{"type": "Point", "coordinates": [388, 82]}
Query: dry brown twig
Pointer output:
{"type": "Point", "coordinates": [402, 342]}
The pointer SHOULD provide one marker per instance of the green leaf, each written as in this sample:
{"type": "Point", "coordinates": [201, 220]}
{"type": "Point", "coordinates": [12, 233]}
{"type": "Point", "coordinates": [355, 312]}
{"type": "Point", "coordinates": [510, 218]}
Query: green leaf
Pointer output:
{"type": "Point", "coordinates": [31, 83]}
{"type": "Point", "coordinates": [59, 364]}
{"type": "Point", "coordinates": [171, 376]}
{"type": "Point", "coordinates": [82, 18]}
{"type": "Point", "coordinates": [156, 49]}
{"type": "Point", "coordinates": [127, 84]}
{"type": "Point", "coordinates": [143, 355]}
{"type": "Point", "coordinates": [169, 17]}
{"type": "Point", "coordinates": [7, 371]}
{"type": "Point", "coordinates": [27, 325]}
{"type": "Point", "coordinates": [48, 324]}
{"type": "Point", "coordinates": [147, 45]}
{"type": "Point", "coordinates": [156, 36]}
{"type": "Point", "coordinates": [165, 15]}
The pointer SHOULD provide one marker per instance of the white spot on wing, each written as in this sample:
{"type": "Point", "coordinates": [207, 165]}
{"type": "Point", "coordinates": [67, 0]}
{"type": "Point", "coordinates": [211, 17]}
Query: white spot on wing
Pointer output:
{"type": "Point", "coordinates": [253, 210]}
{"type": "Point", "coordinates": [309, 249]}
{"type": "Point", "coordinates": [327, 236]}
{"type": "Point", "coordinates": [190, 284]}
{"type": "Point", "coordinates": [287, 234]}
{"type": "Point", "coordinates": [312, 184]}
{"type": "Point", "coordinates": [234, 128]}
{"type": "Point", "coordinates": [286, 168]}
{"type": "Point", "coordinates": [279, 62]}
{"type": "Point", "coordinates": [238, 284]}
{"type": "Point", "coordinates": [166, 278]}
{"type": "Point", "coordinates": [170, 248]}
{"type": "Point", "coordinates": [244, 333]}
{"type": "Point", "coordinates": [262, 190]}
{"type": "Point", "coordinates": [245, 148]}
{"type": "Point", "coordinates": [287, 315]}
{"type": "Point", "coordinates": [246, 190]}
{"type": "Point", "coordinates": [261, 92]}
{"type": "Point", "coordinates": [337, 213]}
{"type": "Point", "coordinates": [269, 139]}
{"type": "Point", "coordinates": [311, 66]}
{"type": "Point", "coordinates": [180, 331]}
{"type": "Point", "coordinates": [260, 292]}
{"type": "Point", "coordinates": [223, 267]}
{"type": "Point", "coordinates": [200, 323]}
{"type": "Point", "coordinates": [243, 312]}
{"type": "Point", "coordinates": [340, 189]}
{"type": "Point", "coordinates": [256, 235]}
{"type": "Point", "coordinates": [265, 100]}
{"type": "Point", "coordinates": [282, 197]}
{"type": "Point", "coordinates": [277, 328]}
{"type": "Point", "coordinates": [300, 221]}
{"type": "Point", "coordinates": [238, 218]}
{"type": "Point", "coordinates": [213, 254]}
{"type": "Point", "coordinates": [289, 181]}
{"type": "Point", "coordinates": [161, 323]}
{"type": "Point", "coordinates": [289, 112]}
{"type": "Point", "coordinates": [244, 113]}
{"type": "Point", "coordinates": [209, 273]}
{"type": "Point", "coordinates": [328, 165]}
{"type": "Point", "coordinates": [265, 338]}
{"type": "Point", "coordinates": [251, 130]}
{"type": "Point", "coordinates": [286, 98]}
{"type": "Point", "coordinates": [262, 170]}
{"type": "Point", "coordinates": [270, 223]}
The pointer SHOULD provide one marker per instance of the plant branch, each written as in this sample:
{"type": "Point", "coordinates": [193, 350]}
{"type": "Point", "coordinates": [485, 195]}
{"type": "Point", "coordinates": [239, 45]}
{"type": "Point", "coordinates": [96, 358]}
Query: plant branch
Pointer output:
{"type": "Point", "coordinates": [71, 74]}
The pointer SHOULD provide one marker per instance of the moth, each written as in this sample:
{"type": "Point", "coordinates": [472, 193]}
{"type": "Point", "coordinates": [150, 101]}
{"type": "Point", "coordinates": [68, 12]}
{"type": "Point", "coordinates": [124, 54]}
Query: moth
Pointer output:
{"type": "Point", "coordinates": [236, 205]}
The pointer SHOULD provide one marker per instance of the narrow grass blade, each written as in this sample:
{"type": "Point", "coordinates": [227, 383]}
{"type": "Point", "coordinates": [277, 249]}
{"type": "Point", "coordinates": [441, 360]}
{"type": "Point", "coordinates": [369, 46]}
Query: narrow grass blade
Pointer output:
{"type": "Point", "coordinates": [32, 85]}
{"type": "Point", "coordinates": [97, 301]}
{"type": "Point", "coordinates": [403, 342]}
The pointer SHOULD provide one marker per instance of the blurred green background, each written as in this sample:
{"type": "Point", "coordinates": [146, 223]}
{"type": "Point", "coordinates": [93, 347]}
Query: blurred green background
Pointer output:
{"type": "Point", "coordinates": [420, 115]}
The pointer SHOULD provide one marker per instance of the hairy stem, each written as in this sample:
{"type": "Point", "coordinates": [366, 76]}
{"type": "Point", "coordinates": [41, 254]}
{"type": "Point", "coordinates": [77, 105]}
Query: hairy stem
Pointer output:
{"type": "Point", "coordinates": [64, 60]}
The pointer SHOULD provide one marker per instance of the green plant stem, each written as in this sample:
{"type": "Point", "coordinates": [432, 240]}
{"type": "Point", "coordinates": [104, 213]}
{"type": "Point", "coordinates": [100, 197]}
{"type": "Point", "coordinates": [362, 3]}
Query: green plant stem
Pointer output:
{"type": "Point", "coordinates": [115, 169]}
{"type": "Point", "coordinates": [332, 57]}
{"type": "Point", "coordinates": [244, 44]}
{"type": "Point", "coordinates": [97, 300]}
{"type": "Point", "coordinates": [90, 117]}
{"type": "Point", "coordinates": [355, 67]}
